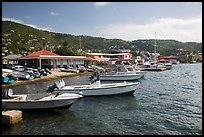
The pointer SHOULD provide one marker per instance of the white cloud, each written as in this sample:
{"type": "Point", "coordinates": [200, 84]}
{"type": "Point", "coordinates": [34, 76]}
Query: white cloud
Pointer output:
{"type": "Point", "coordinates": [193, 3]}
{"type": "Point", "coordinates": [53, 13]}
{"type": "Point", "coordinates": [101, 3]}
{"type": "Point", "coordinates": [21, 22]}
{"type": "Point", "coordinates": [184, 30]}
{"type": "Point", "coordinates": [40, 28]}
{"type": "Point", "coordinates": [11, 19]}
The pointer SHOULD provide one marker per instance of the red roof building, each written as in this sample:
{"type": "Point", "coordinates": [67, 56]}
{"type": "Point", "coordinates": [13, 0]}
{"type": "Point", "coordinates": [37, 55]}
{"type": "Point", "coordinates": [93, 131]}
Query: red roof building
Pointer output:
{"type": "Point", "coordinates": [47, 59]}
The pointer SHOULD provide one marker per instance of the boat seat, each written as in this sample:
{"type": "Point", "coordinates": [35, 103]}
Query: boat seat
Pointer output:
{"type": "Point", "coordinates": [58, 84]}
{"type": "Point", "coordinates": [62, 83]}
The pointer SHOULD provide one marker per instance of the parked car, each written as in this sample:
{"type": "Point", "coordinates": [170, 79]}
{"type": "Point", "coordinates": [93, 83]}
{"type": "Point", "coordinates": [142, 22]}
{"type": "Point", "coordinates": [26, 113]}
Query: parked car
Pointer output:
{"type": "Point", "coordinates": [10, 66]}
{"type": "Point", "coordinates": [18, 67]}
{"type": "Point", "coordinates": [4, 66]}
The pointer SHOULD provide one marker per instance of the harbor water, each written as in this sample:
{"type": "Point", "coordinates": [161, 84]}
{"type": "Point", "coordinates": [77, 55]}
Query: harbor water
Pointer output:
{"type": "Point", "coordinates": [165, 103]}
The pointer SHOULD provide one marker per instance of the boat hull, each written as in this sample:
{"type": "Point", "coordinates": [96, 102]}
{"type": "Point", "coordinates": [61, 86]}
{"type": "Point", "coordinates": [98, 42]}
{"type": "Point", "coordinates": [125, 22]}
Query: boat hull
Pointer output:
{"type": "Point", "coordinates": [141, 73]}
{"type": "Point", "coordinates": [105, 89]}
{"type": "Point", "coordinates": [169, 67]}
{"type": "Point", "coordinates": [47, 103]}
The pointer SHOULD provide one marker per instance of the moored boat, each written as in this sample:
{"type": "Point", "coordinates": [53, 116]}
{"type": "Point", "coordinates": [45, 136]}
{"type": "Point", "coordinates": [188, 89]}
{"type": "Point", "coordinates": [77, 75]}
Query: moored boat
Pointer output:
{"type": "Point", "coordinates": [94, 89]}
{"type": "Point", "coordinates": [123, 73]}
{"type": "Point", "coordinates": [38, 101]}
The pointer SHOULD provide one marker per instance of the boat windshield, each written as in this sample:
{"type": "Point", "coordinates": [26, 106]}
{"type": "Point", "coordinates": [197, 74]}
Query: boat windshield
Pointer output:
{"type": "Point", "coordinates": [121, 69]}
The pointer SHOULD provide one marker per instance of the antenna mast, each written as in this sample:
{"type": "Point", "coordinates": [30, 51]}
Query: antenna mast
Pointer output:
{"type": "Point", "coordinates": [80, 44]}
{"type": "Point", "coordinates": [155, 47]}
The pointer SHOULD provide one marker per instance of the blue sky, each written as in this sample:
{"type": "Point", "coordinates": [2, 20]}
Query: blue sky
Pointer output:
{"type": "Point", "coordinates": [124, 20]}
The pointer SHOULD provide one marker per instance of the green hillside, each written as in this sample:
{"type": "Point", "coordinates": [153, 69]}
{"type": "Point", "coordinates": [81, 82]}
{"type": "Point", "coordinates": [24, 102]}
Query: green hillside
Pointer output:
{"type": "Point", "coordinates": [19, 38]}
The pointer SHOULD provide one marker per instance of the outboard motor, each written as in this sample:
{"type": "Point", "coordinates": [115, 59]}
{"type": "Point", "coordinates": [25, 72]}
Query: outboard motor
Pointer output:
{"type": "Point", "coordinates": [94, 77]}
{"type": "Point", "coordinates": [51, 88]}
{"type": "Point", "coordinates": [91, 77]}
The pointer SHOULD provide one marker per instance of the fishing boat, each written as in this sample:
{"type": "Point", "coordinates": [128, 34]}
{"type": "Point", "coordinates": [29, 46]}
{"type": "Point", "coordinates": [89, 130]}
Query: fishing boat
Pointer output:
{"type": "Point", "coordinates": [139, 70]}
{"type": "Point", "coordinates": [37, 101]}
{"type": "Point", "coordinates": [155, 67]}
{"type": "Point", "coordinates": [123, 73]}
{"type": "Point", "coordinates": [167, 63]}
{"type": "Point", "coordinates": [94, 89]}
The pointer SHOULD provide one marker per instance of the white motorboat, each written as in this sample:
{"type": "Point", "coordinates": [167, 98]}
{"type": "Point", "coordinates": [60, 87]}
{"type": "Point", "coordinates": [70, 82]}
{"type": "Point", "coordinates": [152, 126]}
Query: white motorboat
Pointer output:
{"type": "Point", "coordinates": [123, 73]}
{"type": "Point", "coordinates": [94, 89]}
{"type": "Point", "coordinates": [139, 70]}
{"type": "Point", "coordinates": [155, 67]}
{"type": "Point", "coordinates": [166, 63]}
{"type": "Point", "coordinates": [39, 101]}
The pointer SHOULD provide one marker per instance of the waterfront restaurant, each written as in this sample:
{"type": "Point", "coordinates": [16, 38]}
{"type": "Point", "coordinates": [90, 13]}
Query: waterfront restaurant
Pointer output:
{"type": "Point", "coordinates": [46, 59]}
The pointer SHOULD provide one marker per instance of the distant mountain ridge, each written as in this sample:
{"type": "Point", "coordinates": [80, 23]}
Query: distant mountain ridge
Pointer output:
{"type": "Point", "coordinates": [19, 38]}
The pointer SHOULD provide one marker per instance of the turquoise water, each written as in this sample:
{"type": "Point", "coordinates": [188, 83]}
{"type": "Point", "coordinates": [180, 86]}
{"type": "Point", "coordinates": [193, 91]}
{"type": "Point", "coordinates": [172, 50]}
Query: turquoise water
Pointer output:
{"type": "Point", "coordinates": [165, 103]}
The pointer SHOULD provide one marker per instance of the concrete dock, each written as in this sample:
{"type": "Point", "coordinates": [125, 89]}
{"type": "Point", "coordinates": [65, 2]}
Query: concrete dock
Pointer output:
{"type": "Point", "coordinates": [11, 117]}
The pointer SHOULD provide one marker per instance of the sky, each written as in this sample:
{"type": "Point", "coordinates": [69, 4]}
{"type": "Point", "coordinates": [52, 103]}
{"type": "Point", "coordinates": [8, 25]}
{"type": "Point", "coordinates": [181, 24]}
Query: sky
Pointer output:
{"type": "Point", "coordinates": [129, 21]}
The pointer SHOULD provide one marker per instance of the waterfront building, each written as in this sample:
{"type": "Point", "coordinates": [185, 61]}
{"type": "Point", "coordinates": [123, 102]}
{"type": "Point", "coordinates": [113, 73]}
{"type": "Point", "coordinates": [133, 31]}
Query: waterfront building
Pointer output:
{"type": "Point", "coordinates": [46, 59]}
{"type": "Point", "coordinates": [110, 58]}
{"type": "Point", "coordinates": [11, 59]}
{"type": "Point", "coordinates": [172, 59]}
{"type": "Point", "coordinates": [197, 57]}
